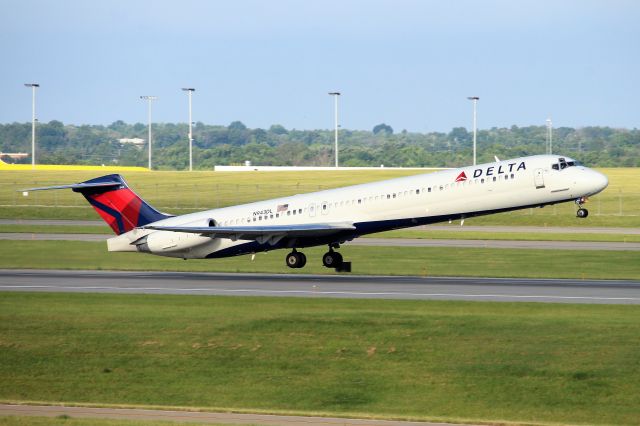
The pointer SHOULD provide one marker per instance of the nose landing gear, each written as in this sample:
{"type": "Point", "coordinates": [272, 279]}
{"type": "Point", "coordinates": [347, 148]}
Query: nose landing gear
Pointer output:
{"type": "Point", "coordinates": [582, 212]}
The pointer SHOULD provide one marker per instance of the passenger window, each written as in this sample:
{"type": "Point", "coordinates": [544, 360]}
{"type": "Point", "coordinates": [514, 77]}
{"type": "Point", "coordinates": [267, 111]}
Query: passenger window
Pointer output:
{"type": "Point", "coordinates": [494, 179]}
{"type": "Point", "coordinates": [359, 201]}
{"type": "Point", "coordinates": [394, 195]}
{"type": "Point", "coordinates": [482, 180]}
{"type": "Point", "coordinates": [300, 211]}
{"type": "Point", "coordinates": [388, 196]}
{"type": "Point", "coordinates": [429, 190]}
{"type": "Point", "coordinates": [417, 192]}
{"type": "Point", "coordinates": [289, 213]}
{"type": "Point", "coordinates": [512, 175]}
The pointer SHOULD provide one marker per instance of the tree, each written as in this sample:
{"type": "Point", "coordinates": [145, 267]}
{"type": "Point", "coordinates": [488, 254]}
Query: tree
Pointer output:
{"type": "Point", "coordinates": [383, 128]}
{"type": "Point", "coordinates": [237, 125]}
{"type": "Point", "coordinates": [278, 129]}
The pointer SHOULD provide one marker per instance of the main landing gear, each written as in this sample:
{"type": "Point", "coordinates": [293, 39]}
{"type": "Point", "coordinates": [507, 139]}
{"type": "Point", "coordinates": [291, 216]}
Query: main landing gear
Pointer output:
{"type": "Point", "coordinates": [331, 259]}
{"type": "Point", "coordinates": [295, 259]}
{"type": "Point", "coordinates": [582, 212]}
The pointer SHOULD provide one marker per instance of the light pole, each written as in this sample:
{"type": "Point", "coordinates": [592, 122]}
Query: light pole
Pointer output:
{"type": "Point", "coordinates": [190, 91]}
{"type": "Point", "coordinates": [550, 135]}
{"type": "Point", "coordinates": [149, 99]}
{"type": "Point", "coordinates": [33, 86]}
{"type": "Point", "coordinates": [475, 124]}
{"type": "Point", "coordinates": [335, 97]}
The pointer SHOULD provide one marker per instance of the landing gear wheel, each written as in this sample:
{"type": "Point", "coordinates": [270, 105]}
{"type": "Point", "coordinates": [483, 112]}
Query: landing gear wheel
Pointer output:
{"type": "Point", "coordinates": [582, 213]}
{"type": "Point", "coordinates": [332, 259]}
{"type": "Point", "coordinates": [296, 259]}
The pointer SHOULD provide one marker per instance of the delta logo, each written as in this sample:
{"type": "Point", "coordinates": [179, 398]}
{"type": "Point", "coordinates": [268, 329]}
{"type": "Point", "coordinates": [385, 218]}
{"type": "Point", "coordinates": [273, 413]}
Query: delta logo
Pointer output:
{"type": "Point", "coordinates": [500, 169]}
{"type": "Point", "coordinates": [461, 177]}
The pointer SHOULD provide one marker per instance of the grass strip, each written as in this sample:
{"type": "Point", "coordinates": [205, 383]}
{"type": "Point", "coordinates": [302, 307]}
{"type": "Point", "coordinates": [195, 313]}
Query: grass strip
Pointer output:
{"type": "Point", "coordinates": [518, 218]}
{"type": "Point", "coordinates": [506, 236]}
{"type": "Point", "coordinates": [57, 229]}
{"type": "Point", "coordinates": [183, 192]}
{"type": "Point", "coordinates": [408, 233]}
{"type": "Point", "coordinates": [398, 359]}
{"type": "Point", "coordinates": [423, 261]}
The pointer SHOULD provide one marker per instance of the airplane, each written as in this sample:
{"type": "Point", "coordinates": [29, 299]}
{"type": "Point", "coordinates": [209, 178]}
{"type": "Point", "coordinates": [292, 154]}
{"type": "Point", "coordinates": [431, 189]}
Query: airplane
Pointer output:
{"type": "Point", "coordinates": [335, 216]}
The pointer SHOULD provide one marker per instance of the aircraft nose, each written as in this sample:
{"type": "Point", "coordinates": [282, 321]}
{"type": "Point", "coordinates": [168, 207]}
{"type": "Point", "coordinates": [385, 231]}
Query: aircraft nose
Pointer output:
{"type": "Point", "coordinates": [599, 181]}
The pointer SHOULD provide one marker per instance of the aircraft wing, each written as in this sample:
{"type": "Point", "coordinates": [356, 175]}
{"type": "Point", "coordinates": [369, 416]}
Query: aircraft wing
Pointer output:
{"type": "Point", "coordinates": [263, 234]}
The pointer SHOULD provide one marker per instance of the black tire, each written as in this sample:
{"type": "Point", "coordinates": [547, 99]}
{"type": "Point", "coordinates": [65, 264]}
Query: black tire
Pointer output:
{"type": "Point", "coordinates": [303, 260]}
{"type": "Point", "coordinates": [582, 213]}
{"type": "Point", "coordinates": [293, 260]}
{"type": "Point", "coordinates": [332, 259]}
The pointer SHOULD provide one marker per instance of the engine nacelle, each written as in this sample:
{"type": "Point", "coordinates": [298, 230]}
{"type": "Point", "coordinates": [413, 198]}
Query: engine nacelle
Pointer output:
{"type": "Point", "coordinates": [175, 244]}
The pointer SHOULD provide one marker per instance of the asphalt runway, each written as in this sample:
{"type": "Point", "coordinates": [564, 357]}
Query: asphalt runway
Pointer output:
{"type": "Point", "coordinates": [324, 286]}
{"type": "Point", "coordinates": [390, 242]}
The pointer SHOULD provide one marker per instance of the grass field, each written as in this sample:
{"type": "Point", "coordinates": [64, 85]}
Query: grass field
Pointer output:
{"type": "Point", "coordinates": [183, 192]}
{"type": "Point", "coordinates": [407, 233]}
{"type": "Point", "coordinates": [69, 168]}
{"type": "Point", "coordinates": [401, 359]}
{"type": "Point", "coordinates": [587, 264]}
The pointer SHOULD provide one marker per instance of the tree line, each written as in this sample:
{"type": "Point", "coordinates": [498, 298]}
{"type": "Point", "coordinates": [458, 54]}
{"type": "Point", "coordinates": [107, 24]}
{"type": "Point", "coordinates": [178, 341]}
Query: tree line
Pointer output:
{"type": "Point", "coordinates": [58, 143]}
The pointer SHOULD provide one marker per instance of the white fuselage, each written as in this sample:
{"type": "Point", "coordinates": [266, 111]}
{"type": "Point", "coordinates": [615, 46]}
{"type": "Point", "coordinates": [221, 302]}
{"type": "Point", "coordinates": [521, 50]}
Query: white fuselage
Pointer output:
{"type": "Point", "coordinates": [378, 206]}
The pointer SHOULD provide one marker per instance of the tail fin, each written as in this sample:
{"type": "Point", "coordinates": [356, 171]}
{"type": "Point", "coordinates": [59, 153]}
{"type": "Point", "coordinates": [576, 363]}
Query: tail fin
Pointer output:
{"type": "Point", "coordinates": [118, 205]}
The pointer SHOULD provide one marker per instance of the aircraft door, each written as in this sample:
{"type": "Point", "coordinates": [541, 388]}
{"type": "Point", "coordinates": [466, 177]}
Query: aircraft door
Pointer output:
{"type": "Point", "coordinates": [538, 178]}
{"type": "Point", "coordinates": [312, 210]}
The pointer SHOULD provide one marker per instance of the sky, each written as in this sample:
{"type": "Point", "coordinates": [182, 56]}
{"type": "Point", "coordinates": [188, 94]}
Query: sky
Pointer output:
{"type": "Point", "coordinates": [410, 64]}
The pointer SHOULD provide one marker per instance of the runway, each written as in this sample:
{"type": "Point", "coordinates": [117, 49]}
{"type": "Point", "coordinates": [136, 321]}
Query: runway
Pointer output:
{"type": "Point", "coordinates": [324, 286]}
{"type": "Point", "coordinates": [196, 416]}
{"type": "Point", "coordinates": [389, 242]}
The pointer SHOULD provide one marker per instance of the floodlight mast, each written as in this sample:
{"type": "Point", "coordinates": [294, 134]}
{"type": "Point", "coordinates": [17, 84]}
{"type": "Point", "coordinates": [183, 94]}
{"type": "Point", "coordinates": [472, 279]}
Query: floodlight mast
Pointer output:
{"type": "Point", "coordinates": [190, 91]}
{"type": "Point", "coordinates": [149, 99]}
{"type": "Point", "coordinates": [33, 86]}
{"type": "Point", "coordinates": [475, 124]}
{"type": "Point", "coordinates": [550, 136]}
{"type": "Point", "coordinates": [335, 97]}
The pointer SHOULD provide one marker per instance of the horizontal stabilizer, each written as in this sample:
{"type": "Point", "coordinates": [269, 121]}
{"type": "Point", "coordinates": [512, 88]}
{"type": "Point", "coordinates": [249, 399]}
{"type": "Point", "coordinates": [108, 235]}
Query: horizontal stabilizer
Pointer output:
{"type": "Point", "coordinates": [78, 187]}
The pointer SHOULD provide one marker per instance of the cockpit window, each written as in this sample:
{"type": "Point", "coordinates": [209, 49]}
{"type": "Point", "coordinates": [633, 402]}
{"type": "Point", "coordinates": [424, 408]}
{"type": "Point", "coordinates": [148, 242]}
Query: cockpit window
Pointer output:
{"type": "Point", "coordinates": [563, 164]}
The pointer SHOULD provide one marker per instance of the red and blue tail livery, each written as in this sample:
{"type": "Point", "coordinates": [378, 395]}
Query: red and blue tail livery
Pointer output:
{"type": "Point", "coordinates": [115, 202]}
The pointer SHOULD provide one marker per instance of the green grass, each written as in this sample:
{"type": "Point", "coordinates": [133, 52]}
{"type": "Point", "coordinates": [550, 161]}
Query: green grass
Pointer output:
{"type": "Point", "coordinates": [423, 261]}
{"type": "Point", "coordinates": [184, 192]}
{"type": "Point", "coordinates": [407, 233]}
{"type": "Point", "coordinates": [400, 359]}
{"type": "Point", "coordinates": [57, 229]}
{"type": "Point", "coordinates": [505, 236]}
